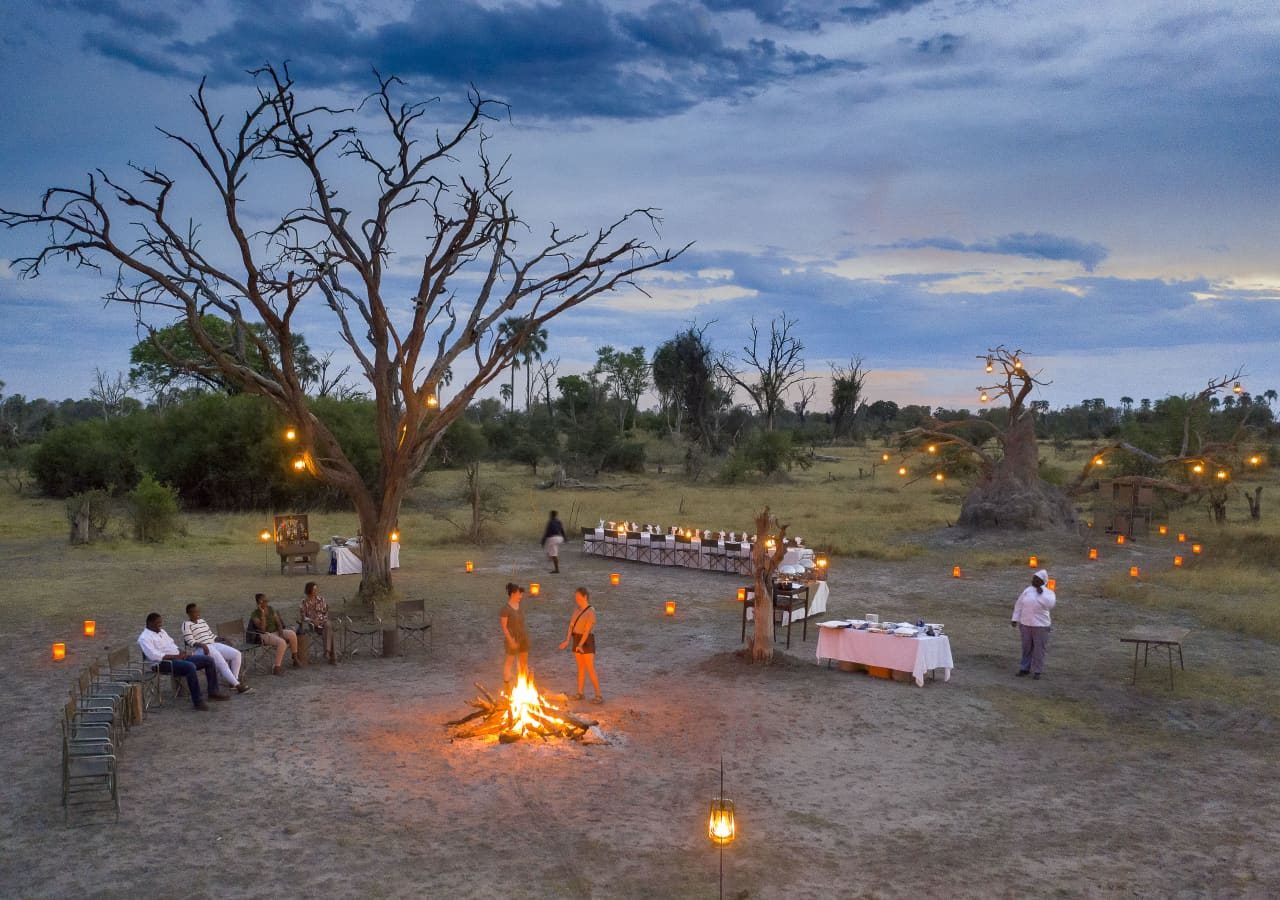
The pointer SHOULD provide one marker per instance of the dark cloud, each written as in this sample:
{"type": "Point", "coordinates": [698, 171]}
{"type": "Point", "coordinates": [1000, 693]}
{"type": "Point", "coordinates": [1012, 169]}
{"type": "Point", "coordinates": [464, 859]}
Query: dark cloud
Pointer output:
{"type": "Point", "coordinates": [1034, 245]}
{"type": "Point", "coordinates": [557, 58]}
{"type": "Point", "coordinates": [862, 13]}
{"type": "Point", "coordinates": [945, 44]}
{"type": "Point", "coordinates": [141, 20]}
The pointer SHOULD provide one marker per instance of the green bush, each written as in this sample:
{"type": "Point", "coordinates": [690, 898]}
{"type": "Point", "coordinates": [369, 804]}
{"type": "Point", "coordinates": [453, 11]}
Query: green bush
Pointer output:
{"type": "Point", "coordinates": [624, 456]}
{"type": "Point", "coordinates": [154, 509]}
{"type": "Point", "coordinates": [89, 456]}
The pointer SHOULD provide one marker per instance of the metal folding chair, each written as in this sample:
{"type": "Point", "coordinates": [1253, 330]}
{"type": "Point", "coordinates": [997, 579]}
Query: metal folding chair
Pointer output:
{"type": "Point", "coordinates": [413, 623]}
{"type": "Point", "coordinates": [233, 632]}
{"type": "Point", "coordinates": [362, 634]}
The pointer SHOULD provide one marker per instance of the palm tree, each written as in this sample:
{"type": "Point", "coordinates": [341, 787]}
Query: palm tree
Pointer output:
{"type": "Point", "coordinates": [534, 346]}
{"type": "Point", "coordinates": [511, 327]}
{"type": "Point", "coordinates": [505, 391]}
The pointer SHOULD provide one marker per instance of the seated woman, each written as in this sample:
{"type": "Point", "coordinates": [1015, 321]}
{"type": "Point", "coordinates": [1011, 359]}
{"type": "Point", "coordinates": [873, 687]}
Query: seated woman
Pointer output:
{"type": "Point", "coordinates": [266, 627]}
{"type": "Point", "coordinates": [313, 616]}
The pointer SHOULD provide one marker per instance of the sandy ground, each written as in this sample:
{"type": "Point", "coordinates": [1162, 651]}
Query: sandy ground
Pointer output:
{"type": "Point", "coordinates": [341, 781]}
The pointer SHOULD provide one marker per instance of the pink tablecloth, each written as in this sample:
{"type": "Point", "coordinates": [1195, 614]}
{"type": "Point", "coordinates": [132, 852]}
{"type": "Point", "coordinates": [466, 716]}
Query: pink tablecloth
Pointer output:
{"type": "Point", "coordinates": [902, 654]}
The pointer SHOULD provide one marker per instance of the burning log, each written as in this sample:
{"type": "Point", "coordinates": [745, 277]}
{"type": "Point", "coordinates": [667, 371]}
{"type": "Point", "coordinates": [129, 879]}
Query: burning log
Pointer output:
{"type": "Point", "coordinates": [521, 714]}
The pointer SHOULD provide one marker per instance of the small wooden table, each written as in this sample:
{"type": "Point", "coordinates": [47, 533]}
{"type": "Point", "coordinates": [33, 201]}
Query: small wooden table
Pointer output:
{"type": "Point", "coordinates": [1161, 637]}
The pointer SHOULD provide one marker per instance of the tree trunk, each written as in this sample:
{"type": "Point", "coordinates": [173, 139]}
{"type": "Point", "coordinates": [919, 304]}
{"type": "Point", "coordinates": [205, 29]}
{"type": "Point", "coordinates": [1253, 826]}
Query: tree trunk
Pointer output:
{"type": "Point", "coordinates": [376, 589]}
{"type": "Point", "coordinates": [1012, 494]}
{"type": "Point", "coordinates": [763, 563]}
{"type": "Point", "coordinates": [1255, 503]}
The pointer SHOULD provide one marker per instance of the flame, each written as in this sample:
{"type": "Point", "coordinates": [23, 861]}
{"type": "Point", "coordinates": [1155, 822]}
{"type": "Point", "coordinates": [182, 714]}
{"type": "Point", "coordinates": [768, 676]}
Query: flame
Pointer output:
{"type": "Point", "coordinates": [526, 710]}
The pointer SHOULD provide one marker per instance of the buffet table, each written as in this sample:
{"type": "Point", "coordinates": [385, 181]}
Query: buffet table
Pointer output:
{"type": "Point", "coordinates": [344, 561]}
{"type": "Point", "coordinates": [916, 655]}
{"type": "Point", "coordinates": [818, 594]}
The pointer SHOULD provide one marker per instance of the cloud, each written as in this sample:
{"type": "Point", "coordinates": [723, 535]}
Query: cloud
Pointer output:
{"type": "Point", "coordinates": [1033, 245]}
{"type": "Point", "coordinates": [140, 20]}
{"type": "Point", "coordinates": [555, 59]}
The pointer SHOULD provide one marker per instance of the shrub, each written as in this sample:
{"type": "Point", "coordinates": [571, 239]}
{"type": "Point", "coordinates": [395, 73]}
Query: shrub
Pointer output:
{"type": "Point", "coordinates": [154, 509]}
{"type": "Point", "coordinates": [625, 456]}
{"type": "Point", "coordinates": [88, 513]}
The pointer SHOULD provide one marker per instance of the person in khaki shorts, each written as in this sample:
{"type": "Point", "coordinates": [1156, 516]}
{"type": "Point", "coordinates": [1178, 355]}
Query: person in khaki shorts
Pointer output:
{"type": "Point", "coordinates": [266, 625]}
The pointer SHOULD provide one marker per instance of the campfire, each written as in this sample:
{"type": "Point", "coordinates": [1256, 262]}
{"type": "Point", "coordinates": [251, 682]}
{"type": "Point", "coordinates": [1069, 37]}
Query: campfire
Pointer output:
{"type": "Point", "coordinates": [523, 713]}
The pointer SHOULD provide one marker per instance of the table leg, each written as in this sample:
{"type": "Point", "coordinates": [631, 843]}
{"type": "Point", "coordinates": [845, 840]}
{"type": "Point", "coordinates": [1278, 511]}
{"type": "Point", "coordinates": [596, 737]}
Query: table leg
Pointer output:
{"type": "Point", "coordinates": [1146, 653]}
{"type": "Point", "coordinates": [804, 632]}
{"type": "Point", "coordinates": [1135, 662]}
{"type": "Point", "coordinates": [1180, 665]}
{"type": "Point", "coordinates": [790, 618]}
{"type": "Point", "coordinates": [1169, 647]}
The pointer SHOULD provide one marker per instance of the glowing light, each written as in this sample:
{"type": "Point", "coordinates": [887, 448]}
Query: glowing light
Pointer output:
{"type": "Point", "coordinates": [1164, 529]}
{"type": "Point", "coordinates": [820, 562]}
{"type": "Point", "coordinates": [90, 627]}
{"type": "Point", "coordinates": [1093, 553]}
{"type": "Point", "coordinates": [534, 589]}
{"type": "Point", "coordinates": [1222, 475]}
{"type": "Point", "coordinates": [59, 652]}
{"type": "Point", "coordinates": [1120, 539]}
{"type": "Point", "coordinates": [1177, 562]}
{"type": "Point", "coordinates": [884, 457]}
{"type": "Point", "coordinates": [955, 571]}
{"type": "Point", "coordinates": [742, 595]}
{"type": "Point", "coordinates": [1182, 538]}
{"type": "Point", "coordinates": [299, 465]}
{"type": "Point", "coordinates": [983, 398]}
{"type": "Point", "coordinates": [1198, 468]}
{"type": "Point", "coordinates": [1052, 584]}
{"type": "Point", "coordinates": [938, 476]}
{"type": "Point", "coordinates": [1196, 548]}
{"type": "Point", "coordinates": [722, 826]}
{"type": "Point", "coordinates": [902, 470]}
{"type": "Point", "coordinates": [291, 434]}
{"type": "Point", "coordinates": [1255, 460]}
{"type": "Point", "coordinates": [264, 535]}
{"type": "Point", "coordinates": [933, 448]}
{"type": "Point", "coordinates": [395, 537]}
{"type": "Point", "coordinates": [469, 566]}
{"type": "Point", "coordinates": [1237, 388]}
{"type": "Point", "coordinates": [1033, 561]}
{"type": "Point", "coordinates": [615, 579]}
{"type": "Point", "coordinates": [670, 607]}
{"type": "Point", "coordinates": [433, 402]}
{"type": "Point", "coordinates": [990, 365]}
{"type": "Point", "coordinates": [1017, 363]}
{"type": "Point", "coordinates": [1099, 461]}
{"type": "Point", "coordinates": [1133, 571]}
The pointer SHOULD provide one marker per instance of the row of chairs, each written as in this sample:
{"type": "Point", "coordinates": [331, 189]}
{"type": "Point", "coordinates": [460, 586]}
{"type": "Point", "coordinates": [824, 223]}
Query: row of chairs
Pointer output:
{"type": "Point", "coordinates": [667, 550]}
{"type": "Point", "coordinates": [95, 719]}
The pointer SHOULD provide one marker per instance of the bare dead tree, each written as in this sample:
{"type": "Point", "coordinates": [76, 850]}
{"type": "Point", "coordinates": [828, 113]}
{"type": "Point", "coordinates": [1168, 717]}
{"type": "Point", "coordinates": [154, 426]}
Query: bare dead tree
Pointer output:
{"type": "Point", "coordinates": [766, 372]}
{"type": "Point", "coordinates": [333, 251]}
{"type": "Point", "coordinates": [333, 384]}
{"type": "Point", "coordinates": [807, 392]}
{"type": "Point", "coordinates": [846, 394]}
{"type": "Point", "coordinates": [543, 377]}
{"type": "Point", "coordinates": [108, 392]}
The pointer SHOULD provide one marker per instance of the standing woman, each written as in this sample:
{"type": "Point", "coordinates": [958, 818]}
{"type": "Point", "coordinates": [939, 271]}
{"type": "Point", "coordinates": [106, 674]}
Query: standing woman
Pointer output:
{"type": "Point", "coordinates": [582, 635]}
{"type": "Point", "coordinates": [514, 635]}
{"type": "Point", "coordinates": [314, 614]}
{"type": "Point", "coordinates": [552, 538]}
{"type": "Point", "coordinates": [1031, 618]}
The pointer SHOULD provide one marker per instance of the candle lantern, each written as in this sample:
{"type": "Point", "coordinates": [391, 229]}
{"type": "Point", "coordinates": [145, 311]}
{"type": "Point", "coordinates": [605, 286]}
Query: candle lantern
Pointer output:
{"type": "Point", "coordinates": [1119, 538]}
{"type": "Point", "coordinates": [291, 434]}
{"type": "Point", "coordinates": [1133, 571]}
{"type": "Point", "coordinates": [1196, 548]}
{"type": "Point", "coordinates": [933, 448]}
{"type": "Point", "coordinates": [1177, 562]}
{"type": "Point", "coordinates": [1099, 461]}
{"type": "Point", "coordinates": [615, 579]}
{"type": "Point", "coordinates": [1052, 584]}
{"type": "Point", "coordinates": [395, 537]}
{"type": "Point", "coordinates": [1164, 529]}
{"type": "Point", "coordinates": [670, 607]}
{"type": "Point", "coordinates": [59, 652]}
{"type": "Point", "coordinates": [534, 589]}
{"type": "Point", "coordinates": [938, 476]}
{"type": "Point", "coordinates": [264, 535]}
{"type": "Point", "coordinates": [983, 398]}
{"type": "Point", "coordinates": [721, 824]}
{"type": "Point", "coordinates": [742, 595]}
{"type": "Point", "coordinates": [1093, 552]}
{"type": "Point", "coordinates": [433, 402]}
{"type": "Point", "coordinates": [90, 627]}
{"type": "Point", "coordinates": [955, 571]}
{"type": "Point", "coordinates": [1033, 561]}
{"type": "Point", "coordinates": [469, 566]}
{"type": "Point", "coordinates": [299, 465]}
{"type": "Point", "coordinates": [820, 562]}
{"type": "Point", "coordinates": [1182, 538]}
{"type": "Point", "coordinates": [884, 457]}
{"type": "Point", "coordinates": [902, 470]}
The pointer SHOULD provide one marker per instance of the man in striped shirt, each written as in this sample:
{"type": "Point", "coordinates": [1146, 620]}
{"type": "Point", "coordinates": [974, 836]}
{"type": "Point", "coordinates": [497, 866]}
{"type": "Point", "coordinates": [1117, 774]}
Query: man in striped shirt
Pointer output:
{"type": "Point", "coordinates": [197, 635]}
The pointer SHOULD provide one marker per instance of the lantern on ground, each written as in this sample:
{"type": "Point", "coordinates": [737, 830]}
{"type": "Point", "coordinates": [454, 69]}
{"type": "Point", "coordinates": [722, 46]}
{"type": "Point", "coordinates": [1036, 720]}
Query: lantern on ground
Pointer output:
{"type": "Point", "coordinates": [1133, 571]}
{"type": "Point", "coordinates": [1120, 539]}
{"type": "Point", "coordinates": [670, 608]}
{"type": "Point", "coordinates": [1164, 529]}
{"type": "Point", "coordinates": [469, 566]}
{"type": "Point", "coordinates": [1033, 561]}
{"type": "Point", "coordinates": [59, 652]}
{"type": "Point", "coordinates": [534, 589]}
{"type": "Point", "coordinates": [1177, 562]}
{"type": "Point", "coordinates": [1093, 553]}
{"type": "Point", "coordinates": [742, 595]}
{"type": "Point", "coordinates": [1182, 538]}
{"type": "Point", "coordinates": [1196, 548]}
{"type": "Point", "coordinates": [615, 579]}
{"type": "Point", "coordinates": [884, 457]}
{"type": "Point", "coordinates": [938, 476]}
{"type": "Point", "coordinates": [90, 627]}
{"type": "Point", "coordinates": [955, 571]}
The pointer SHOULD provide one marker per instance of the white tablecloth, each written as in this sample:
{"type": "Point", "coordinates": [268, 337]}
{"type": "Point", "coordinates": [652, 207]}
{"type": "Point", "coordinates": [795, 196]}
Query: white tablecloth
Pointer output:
{"type": "Point", "coordinates": [694, 554]}
{"type": "Point", "coordinates": [818, 593]}
{"type": "Point", "coordinates": [902, 654]}
{"type": "Point", "coordinates": [343, 560]}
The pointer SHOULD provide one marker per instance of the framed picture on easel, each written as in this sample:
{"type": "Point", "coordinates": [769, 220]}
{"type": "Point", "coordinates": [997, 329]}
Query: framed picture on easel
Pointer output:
{"type": "Point", "coordinates": [291, 529]}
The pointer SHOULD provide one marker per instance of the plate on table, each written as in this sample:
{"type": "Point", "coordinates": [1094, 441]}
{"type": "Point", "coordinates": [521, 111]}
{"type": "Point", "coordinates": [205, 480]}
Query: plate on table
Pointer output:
{"type": "Point", "coordinates": [905, 631]}
{"type": "Point", "coordinates": [835, 623]}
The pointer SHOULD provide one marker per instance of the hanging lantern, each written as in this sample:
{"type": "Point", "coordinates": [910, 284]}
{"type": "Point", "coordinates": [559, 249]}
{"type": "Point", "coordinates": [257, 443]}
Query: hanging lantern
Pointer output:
{"type": "Point", "coordinates": [1120, 539]}
{"type": "Point", "coordinates": [433, 402]}
{"type": "Point", "coordinates": [615, 579]}
{"type": "Point", "coordinates": [955, 571]}
{"type": "Point", "coordinates": [1255, 460]}
{"type": "Point", "coordinates": [291, 434]}
{"type": "Point", "coordinates": [1133, 571]}
{"type": "Point", "coordinates": [1196, 548]}
{"type": "Point", "coordinates": [1198, 468]}
{"type": "Point", "coordinates": [534, 589]}
{"type": "Point", "coordinates": [59, 652]}
{"type": "Point", "coordinates": [933, 448]}
{"type": "Point", "coordinates": [990, 365]}
{"type": "Point", "coordinates": [1222, 475]}
{"type": "Point", "coordinates": [1099, 461]}
{"type": "Point", "coordinates": [300, 465]}
{"type": "Point", "coordinates": [938, 476]}
{"type": "Point", "coordinates": [902, 470]}
{"type": "Point", "coordinates": [1237, 388]}
{"type": "Point", "coordinates": [1017, 363]}
{"type": "Point", "coordinates": [670, 607]}
{"type": "Point", "coordinates": [1177, 562]}
{"type": "Point", "coordinates": [1164, 529]}
{"type": "Point", "coordinates": [1093, 553]}
{"type": "Point", "coordinates": [90, 627]}
{"type": "Point", "coordinates": [1033, 562]}
{"type": "Point", "coordinates": [721, 824]}
{"type": "Point", "coordinates": [742, 595]}
{"type": "Point", "coordinates": [884, 457]}
{"type": "Point", "coordinates": [469, 566]}
{"type": "Point", "coordinates": [983, 398]}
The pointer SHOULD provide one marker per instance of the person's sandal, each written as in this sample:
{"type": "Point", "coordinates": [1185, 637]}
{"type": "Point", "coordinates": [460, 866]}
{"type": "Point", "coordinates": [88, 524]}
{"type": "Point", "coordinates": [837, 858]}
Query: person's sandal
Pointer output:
{"type": "Point", "coordinates": [577, 696]}
{"type": "Point", "coordinates": [597, 699]}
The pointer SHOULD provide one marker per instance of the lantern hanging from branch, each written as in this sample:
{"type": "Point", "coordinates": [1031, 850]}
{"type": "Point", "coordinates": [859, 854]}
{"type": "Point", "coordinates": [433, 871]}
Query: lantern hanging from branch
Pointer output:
{"type": "Point", "coordinates": [291, 434]}
{"type": "Point", "coordinates": [264, 535]}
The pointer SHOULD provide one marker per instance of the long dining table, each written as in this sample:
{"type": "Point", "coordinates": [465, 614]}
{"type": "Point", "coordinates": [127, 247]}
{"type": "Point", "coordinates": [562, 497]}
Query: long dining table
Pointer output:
{"type": "Point", "coordinates": [709, 554]}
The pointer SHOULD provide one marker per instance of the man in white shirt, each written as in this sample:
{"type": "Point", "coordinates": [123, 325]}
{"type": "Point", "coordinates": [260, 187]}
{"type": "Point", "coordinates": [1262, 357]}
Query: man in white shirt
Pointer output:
{"type": "Point", "coordinates": [199, 638]}
{"type": "Point", "coordinates": [160, 650]}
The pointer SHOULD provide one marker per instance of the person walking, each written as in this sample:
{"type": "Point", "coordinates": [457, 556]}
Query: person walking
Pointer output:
{"type": "Point", "coordinates": [552, 538]}
{"type": "Point", "coordinates": [514, 635]}
{"type": "Point", "coordinates": [1031, 618]}
{"type": "Point", "coordinates": [582, 635]}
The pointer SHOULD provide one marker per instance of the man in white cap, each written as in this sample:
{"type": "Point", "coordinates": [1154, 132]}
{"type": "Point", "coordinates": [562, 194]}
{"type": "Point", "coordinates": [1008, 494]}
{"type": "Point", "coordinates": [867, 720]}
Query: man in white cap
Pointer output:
{"type": "Point", "coordinates": [1031, 618]}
